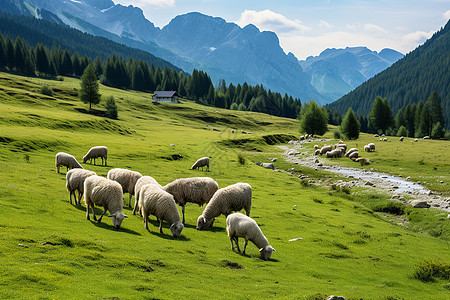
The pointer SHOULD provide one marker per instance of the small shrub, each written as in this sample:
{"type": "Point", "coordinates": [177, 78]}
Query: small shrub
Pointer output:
{"type": "Point", "coordinates": [337, 135]}
{"type": "Point", "coordinates": [318, 200]}
{"type": "Point", "coordinates": [391, 207]}
{"type": "Point", "coordinates": [241, 159]}
{"type": "Point", "coordinates": [234, 106]}
{"type": "Point", "coordinates": [345, 190]}
{"type": "Point", "coordinates": [428, 270]}
{"type": "Point", "coordinates": [46, 90]}
{"type": "Point", "coordinates": [402, 131]}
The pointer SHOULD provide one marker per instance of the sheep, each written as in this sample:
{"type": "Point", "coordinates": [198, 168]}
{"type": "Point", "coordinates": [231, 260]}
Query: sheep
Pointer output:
{"type": "Point", "coordinates": [336, 153]}
{"type": "Point", "coordinates": [224, 201]}
{"type": "Point", "coordinates": [367, 148]}
{"type": "Point", "coordinates": [140, 183]}
{"type": "Point", "coordinates": [154, 200]}
{"type": "Point", "coordinates": [401, 139]}
{"type": "Point", "coordinates": [195, 190]}
{"type": "Point", "coordinates": [240, 225]}
{"type": "Point", "coordinates": [353, 155]}
{"type": "Point", "coordinates": [302, 138]}
{"type": "Point", "coordinates": [317, 152]}
{"type": "Point", "coordinates": [416, 140]}
{"type": "Point", "coordinates": [266, 165]}
{"type": "Point", "coordinates": [427, 137]}
{"type": "Point", "coordinates": [75, 182]}
{"type": "Point", "coordinates": [126, 178]}
{"type": "Point", "coordinates": [67, 160]}
{"type": "Point", "coordinates": [316, 147]}
{"type": "Point", "coordinates": [362, 161]}
{"type": "Point", "coordinates": [341, 145]}
{"type": "Point", "coordinates": [350, 151]}
{"type": "Point", "coordinates": [200, 163]}
{"type": "Point", "coordinates": [385, 139]}
{"type": "Point", "coordinates": [372, 147]}
{"type": "Point", "coordinates": [107, 193]}
{"type": "Point", "coordinates": [94, 152]}
{"type": "Point", "coordinates": [325, 149]}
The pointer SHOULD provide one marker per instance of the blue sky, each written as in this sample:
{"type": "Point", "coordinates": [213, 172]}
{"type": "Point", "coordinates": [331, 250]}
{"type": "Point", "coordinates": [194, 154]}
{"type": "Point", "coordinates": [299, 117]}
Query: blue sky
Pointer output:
{"type": "Point", "coordinates": [308, 27]}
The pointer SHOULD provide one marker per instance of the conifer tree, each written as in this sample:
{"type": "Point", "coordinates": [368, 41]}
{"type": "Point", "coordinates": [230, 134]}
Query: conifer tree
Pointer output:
{"type": "Point", "coordinates": [313, 119]}
{"type": "Point", "coordinates": [111, 108]}
{"type": "Point", "coordinates": [381, 116]}
{"type": "Point", "coordinates": [89, 87]}
{"type": "Point", "coordinates": [350, 125]}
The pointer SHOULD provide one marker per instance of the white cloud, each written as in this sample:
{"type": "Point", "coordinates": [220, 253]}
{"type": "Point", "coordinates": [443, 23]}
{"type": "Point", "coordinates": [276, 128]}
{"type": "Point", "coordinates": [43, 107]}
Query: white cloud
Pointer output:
{"type": "Point", "coordinates": [447, 15]}
{"type": "Point", "coordinates": [324, 24]}
{"type": "Point", "coordinates": [269, 20]}
{"type": "Point", "coordinates": [417, 37]}
{"type": "Point", "coordinates": [374, 28]}
{"type": "Point", "coordinates": [140, 3]}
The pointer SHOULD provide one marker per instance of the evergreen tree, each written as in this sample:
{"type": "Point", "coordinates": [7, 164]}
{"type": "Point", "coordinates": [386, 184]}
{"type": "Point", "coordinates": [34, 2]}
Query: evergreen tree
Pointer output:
{"type": "Point", "coordinates": [350, 125]}
{"type": "Point", "coordinates": [234, 106]}
{"type": "Point", "coordinates": [417, 114]}
{"type": "Point", "coordinates": [42, 61]}
{"type": "Point", "coordinates": [425, 121]}
{"type": "Point", "coordinates": [111, 108]}
{"type": "Point", "coordinates": [9, 50]}
{"type": "Point", "coordinates": [402, 131]}
{"type": "Point", "coordinates": [313, 119]}
{"type": "Point", "coordinates": [89, 87]}
{"type": "Point", "coordinates": [410, 112]}
{"type": "Point", "coordinates": [2, 52]}
{"type": "Point", "coordinates": [98, 66]}
{"type": "Point", "coordinates": [381, 116]}
{"type": "Point", "coordinates": [242, 107]}
{"type": "Point", "coordinates": [435, 107]}
{"type": "Point", "coordinates": [438, 131]}
{"type": "Point", "coordinates": [66, 64]}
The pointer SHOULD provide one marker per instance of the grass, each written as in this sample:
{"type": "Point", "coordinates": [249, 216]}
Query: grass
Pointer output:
{"type": "Point", "coordinates": [49, 250]}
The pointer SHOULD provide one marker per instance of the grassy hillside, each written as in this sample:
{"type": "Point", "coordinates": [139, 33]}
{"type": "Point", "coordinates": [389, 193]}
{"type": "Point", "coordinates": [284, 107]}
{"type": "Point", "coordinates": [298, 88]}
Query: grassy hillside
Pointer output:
{"type": "Point", "coordinates": [49, 250]}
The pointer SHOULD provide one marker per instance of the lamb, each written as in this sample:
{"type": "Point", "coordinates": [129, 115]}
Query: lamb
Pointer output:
{"type": "Point", "coordinates": [226, 200]}
{"type": "Point", "coordinates": [240, 225]}
{"type": "Point", "coordinates": [67, 160]}
{"type": "Point", "coordinates": [200, 163]}
{"type": "Point", "coordinates": [325, 149]}
{"type": "Point", "coordinates": [75, 182]}
{"type": "Point", "coordinates": [350, 151]}
{"type": "Point", "coordinates": [137, 188]}
{"type": "Point", "coordinates": [94, 152]}
{"type": "Point", "coordinates": [126, 178]}
{"type": "Point", "coordinates": [154, 200]}
{"type": "Point", "coordinates": [107, 193]}
{"type": "Point", "coordinates": [266, 165]}
{"type": "Point", "coordinates": [195, 190]}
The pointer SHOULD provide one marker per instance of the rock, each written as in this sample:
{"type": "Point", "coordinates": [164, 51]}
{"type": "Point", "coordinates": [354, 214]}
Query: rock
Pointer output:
{"type": "Point", "coordinates": [419, 204]}
{"type": "Point", "coordinates": [319, 164]}
{"type": "Point", "coordinates": [316, 161]}
{"type": "Point", "coordinates": [266, 165]}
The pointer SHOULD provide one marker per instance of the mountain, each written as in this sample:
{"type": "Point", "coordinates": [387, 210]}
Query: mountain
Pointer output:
{"type": "Point", "coordinates": [335, 72]}
{"type": "Point", "coordinates": [409, 80]}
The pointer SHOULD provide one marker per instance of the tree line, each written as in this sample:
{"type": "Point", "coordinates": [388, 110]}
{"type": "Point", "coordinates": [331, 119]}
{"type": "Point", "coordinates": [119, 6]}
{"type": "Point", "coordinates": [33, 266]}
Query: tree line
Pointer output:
{"type": "Point", "coordinates": [137, 75]}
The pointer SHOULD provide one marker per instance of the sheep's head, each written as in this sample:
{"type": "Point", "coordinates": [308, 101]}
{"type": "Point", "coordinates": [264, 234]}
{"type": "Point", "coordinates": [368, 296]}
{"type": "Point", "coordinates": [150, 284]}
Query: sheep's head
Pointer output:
{"type": "Point", "coordinates": [203, 223]}
{"type": "Point", "coordinates": [266, 252]}
{"type": "Point", "coordinates": [84, 159]}
{"type": "Point", "coordinates": [117, 218]}
{"type": "Point", "coordinates": [176, 228]}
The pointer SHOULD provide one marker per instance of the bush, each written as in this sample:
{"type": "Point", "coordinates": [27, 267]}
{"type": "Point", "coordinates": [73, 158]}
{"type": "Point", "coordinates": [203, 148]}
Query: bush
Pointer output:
{"type": "Point", "coordinates": [402, 131]}
{"type": "Point", "coordinates": [46, 90]}
{"type": "Point", "coordinates": [234, 106]}
{"type": "Point", "coordinates": [438, 131]}
{"type": "Point", "coordinates": [337, 135]}
{"type": "Point", "coordinates": [111, 108]}
{"type": "Point", "coordinates": [429, 269]}
{"type": "Point", "coordinates": [241, 159]}
{"type": "Point", "coordinates": [391, 207]}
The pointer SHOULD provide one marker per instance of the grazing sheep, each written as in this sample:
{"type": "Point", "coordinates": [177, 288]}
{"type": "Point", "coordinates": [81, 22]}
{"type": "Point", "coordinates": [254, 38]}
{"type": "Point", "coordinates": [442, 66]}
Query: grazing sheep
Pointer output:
{"type": "Point", "coordinates": [341, 145]}
{"type": "Point", "coordinates": [239, 225]}
{"type": "Point", "coordinates": [336, 153]}
{"type": "Point", "coordinates": [302, 138]}
{"type": "Point", "coordinates": [107, 193]}
{"type": "Point", "coordinates": [384, 139]}
{"type": "Point", "coordinates": [372, 147]}
{"type": "Point", "coordinates": [362, 161]}
{"type": "Point", "coordinates": [67, 160]}
{"type": "Point", "coordinates": [376, 135]}
{"type": "Point", "coordinates": [367, 148]}
{"type": "Point", "coordinates": [75, 182]}
{"type": "Point", "coordinates": [325, 149]}
{"type": "Point", "coordinates": [317, 152]}
{"type": "Point", "coordinates": [226, 200]}
{"type": "Point", "coordinates": [350, 151]}
{"type": "Point", "coordinates": [195, 190]}
{"type": "Point", "coordinates": [316, 147]}
{"type": "Point", "coordinates": [94, 152]}
{"type": "Point", "coordinates": [200, 163]}
{"type": "Point", "coordinates": [154, 200]}
{"type": "Point", "coordinates": [137, 188]}
{"type": "Point", "coordinates": [126, 178]}
{"type": "Point", "coordinates": [427, 137]}
{"type": "Point", "coordinates": [401, 139]}
{"type": "Point", "coordinates": [416, 140]}
{"type": "Point", "coordinates": [353, 155]}
{"type": "Point", "coordinates": [266, 165]}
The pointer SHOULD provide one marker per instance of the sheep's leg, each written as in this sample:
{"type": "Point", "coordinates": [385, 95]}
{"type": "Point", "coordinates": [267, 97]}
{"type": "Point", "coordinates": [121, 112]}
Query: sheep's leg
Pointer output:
{"type": "Point", "coordinates": [93, 212]}
{"type": "Point", "coordinates": [236, 240]}
{"type": "Point", "coordinates": [70, 198]}
{"type": "Point", "coordinates": [245, 244]}
{"type": "Point", "coordinates": [232, 245]}
{"type": "Point", "coordinates": [129, 200]}
{"type": "Point", "coordinates": [160, 225]}
{"type": "Point", "coordinates": [145, 216]}
{"type": "Point", "coordinates": [87, 211]}
{"type": "Point", "coordinates": [136, 202]}
{"type": "Point", "coordinates": [80, 194]}
{"type": "Point", "coordinates": [104, 212]}
{"type": "Point", "coordinates": [182, 209]}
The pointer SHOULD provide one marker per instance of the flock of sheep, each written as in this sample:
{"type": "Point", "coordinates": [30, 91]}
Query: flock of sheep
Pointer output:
{"type": "Point", "coordinates": [160, 201]}
{"type": "Point", "coordinates": [340, 149]}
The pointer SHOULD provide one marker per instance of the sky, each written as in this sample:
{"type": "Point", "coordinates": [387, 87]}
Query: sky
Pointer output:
{"type": "Point", "coordinates": [307, 27]}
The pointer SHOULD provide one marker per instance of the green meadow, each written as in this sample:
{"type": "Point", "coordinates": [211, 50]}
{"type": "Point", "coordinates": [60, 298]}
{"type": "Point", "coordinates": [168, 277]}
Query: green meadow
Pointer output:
{"type": "Point", "coordinates": [50, 251]}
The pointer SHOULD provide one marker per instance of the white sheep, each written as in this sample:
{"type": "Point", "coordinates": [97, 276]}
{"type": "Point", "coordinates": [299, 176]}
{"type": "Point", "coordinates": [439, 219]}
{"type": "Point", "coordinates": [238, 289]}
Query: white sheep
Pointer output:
{"type": "Point", "coordinates": [240, 225]}
{"type": "Point", "coordinates": [126, 178]}
{"type": "Point", "coordinates": [107, 193]}
{"type": "Point", "coordinates": [316, 147]}
{"type": "Point", "coordinates": [367, 148]}
{"type": "Point", "coordinates": [350, 151]}
{"type": "Point", "coordinates": [67, 160]}
{"type": "Point", "coordinates": [197, 190]}
{"type": "Point", "coordinates": [416, 140]}
{"type": "Point", "coordinates": [353, 155]}
{"type": "Point", "coordinates": [341, 145]}
{"type": "Point", "coordinates": [200, 163]}
{"type": "Point", "coordinates": [94, 152]}
{"type": "Point", "coordinates": [226, 200]}
{"type": "Point", "coordinates": [325, 149]}
{"type": "Point", "coordinates": [317, 152]}
{"type": "Point", "coordinates": [137, 188]}
{"type": "Point", "coordinates": [75, 182]}
{"type": "Point", "coordinates": [266, 165]}
{"type": "Point", "coordinates": [154, 200]}
{"type": "Point", "coordinates": [372, 147]}
{"type": "Point", "coordinates": [401, 139]}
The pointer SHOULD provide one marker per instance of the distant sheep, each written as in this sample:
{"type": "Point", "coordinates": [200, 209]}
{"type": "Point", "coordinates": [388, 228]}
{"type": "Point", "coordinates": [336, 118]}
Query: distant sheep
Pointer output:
{"type": "Point", "coordinates": [372, 147]}
{"type": "Point", "coordinates": [416, 140]}
{"type": "Point", "coordinates": [317, 152]}
{"type": "Point", "coordinates": [325, 149]}
{"type": "Point", "coordinates": [226, 200]}
{"type": "Point", "coordinates": [67, 160]}
{"type": "Point", "coordinates": [107, 193]}
{"type": "Point", "coordinates": [316, 147]}
{"type": "Point", "coordinates": [354, 155]}
{"type": "Point", "coordinates": [401, 139]}
{"type": "Point", "coordinates": [362, 161]}
{"type": "Point", "coordinates": [367, 148]}
{"type": "Point", "coordinates": [240, 225]}
{"type": "Point", "coordinates": [341, 145]}
{"type": "Point", "coordinates": [427, 137]}
{"type": "Point", "coordinates": [127, 180]}
{"type": "Point", "coordinates": [197, 190]}
{"type": "Point", "coordinates": [75, 182]}
{"type": "Point", "coordinates": [95, 152]}
{"type": "Point", "coordinates": [200, 163]}
{"type": "Point", "coordinates": [336, 153]}
{"type": "Point", "coordinates": [154, 200]}
{"type": "Point", "coordinates": [137, 188]}
{"type": "Point", "coordinates": [266, 165]}
{"type": "Point", "coordinates": [350, 151]}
